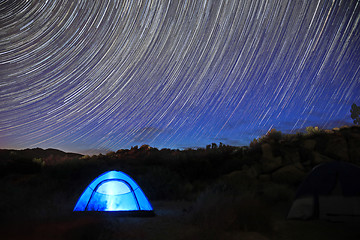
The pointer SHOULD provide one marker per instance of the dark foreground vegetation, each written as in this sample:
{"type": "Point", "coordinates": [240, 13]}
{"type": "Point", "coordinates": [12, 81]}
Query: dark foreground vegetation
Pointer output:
{"type": "Point", "coordinates": [217, 192]}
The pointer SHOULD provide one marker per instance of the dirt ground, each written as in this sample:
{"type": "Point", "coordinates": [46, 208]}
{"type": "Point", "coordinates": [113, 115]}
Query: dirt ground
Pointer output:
{"type": "Point", "coordinates": [173, 220]}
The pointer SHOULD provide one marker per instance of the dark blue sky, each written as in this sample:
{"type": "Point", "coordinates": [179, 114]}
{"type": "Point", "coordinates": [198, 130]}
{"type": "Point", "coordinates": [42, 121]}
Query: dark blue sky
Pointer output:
{"type": "Point", "coordinates": [80, 76]}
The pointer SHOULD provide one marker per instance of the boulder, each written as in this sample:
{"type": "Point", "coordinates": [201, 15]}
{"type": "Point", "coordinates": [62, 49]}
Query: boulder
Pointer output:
{"type": "Point", "coordinates": [266, 150]}
{"type": "Point", "coordinates": [271, 164]}
{"type": "Point", "coordinates": [265, 177]}
{"type": "Point", "coordinates": [319, 158]}
{"type": "Point", "coordinates": [337, 148]}
{"type": "Point", "coordinates": [291, 156]}
{"type": "Point", "coordinates": [250, 171]}
{"type": "Point", "coordinates": [235, 174]}
{"type": "Point", "coordinates": [307, 164]}
{"type": "Point", "coordinates": [238, 177]}
{"type": "Point", "coordinates": [309, 144]}
{"type": "Point", "coordinates": [291, 174]}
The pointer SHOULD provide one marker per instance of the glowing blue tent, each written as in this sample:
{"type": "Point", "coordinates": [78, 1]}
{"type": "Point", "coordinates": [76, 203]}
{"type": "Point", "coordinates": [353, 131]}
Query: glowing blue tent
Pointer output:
{"type": "Point", "coordinates": [116, 192]}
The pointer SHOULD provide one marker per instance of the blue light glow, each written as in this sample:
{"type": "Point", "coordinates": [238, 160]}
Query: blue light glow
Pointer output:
{"type": "Point", "coordinates": [113, 188]}
{"type": "Point", "coordinates": [113, 191]}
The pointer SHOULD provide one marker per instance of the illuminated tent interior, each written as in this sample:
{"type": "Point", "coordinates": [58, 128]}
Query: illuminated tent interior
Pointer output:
{"type": "Point", "coordinates": [114, 191]}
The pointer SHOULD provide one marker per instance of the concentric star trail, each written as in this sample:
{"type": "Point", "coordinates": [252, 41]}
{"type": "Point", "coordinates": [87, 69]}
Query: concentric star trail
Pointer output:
{"type": "Point", "coordinates": [111, 74]}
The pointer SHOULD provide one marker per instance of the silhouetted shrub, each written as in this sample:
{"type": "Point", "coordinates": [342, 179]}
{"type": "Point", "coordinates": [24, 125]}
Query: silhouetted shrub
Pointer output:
{"type": "Point", "coordinates": [24, 166]}
{"type": "Point", "coordinates": [355, 113]}
{"type": "Point", "coordinates": [313, 130]}
{"type": "Point", "coordinates": [273, 134]}
{"type": "Point", "coordinates": [254, 144]}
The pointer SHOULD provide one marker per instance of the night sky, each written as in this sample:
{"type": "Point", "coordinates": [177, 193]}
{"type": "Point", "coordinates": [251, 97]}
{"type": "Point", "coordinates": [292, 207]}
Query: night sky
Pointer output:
{"type": "Point", "coordinates": [107, 75]}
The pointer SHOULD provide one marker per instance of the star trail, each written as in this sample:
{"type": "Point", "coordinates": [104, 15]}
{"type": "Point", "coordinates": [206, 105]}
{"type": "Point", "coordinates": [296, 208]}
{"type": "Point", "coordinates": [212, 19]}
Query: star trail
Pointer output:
{"type": "Point", "coordinates": [105, 75]}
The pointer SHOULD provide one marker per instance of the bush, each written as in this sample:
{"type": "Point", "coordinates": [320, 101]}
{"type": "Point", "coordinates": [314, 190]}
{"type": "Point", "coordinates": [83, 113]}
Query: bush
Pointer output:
{"type": "Point", "coordinates": [274, 135]}
{"type": "Point", "coordinates": [355, 113]}
{"type": "Point", "coordinates": [271, 136]}
{"type": "Point", "coordinates": [254, 144]}
{"type": "Point", "coordinates": [312, 130]}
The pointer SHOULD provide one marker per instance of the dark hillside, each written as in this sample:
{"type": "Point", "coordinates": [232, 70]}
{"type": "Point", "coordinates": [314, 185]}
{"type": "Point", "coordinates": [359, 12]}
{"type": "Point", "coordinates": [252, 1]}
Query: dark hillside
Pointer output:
{"type": "Point", "coordinates": [246, 183]}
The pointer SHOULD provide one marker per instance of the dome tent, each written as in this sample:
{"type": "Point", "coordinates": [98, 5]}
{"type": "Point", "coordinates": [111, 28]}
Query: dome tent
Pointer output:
{"type": "Point", "coordinates": [331, 191]}
{"type": "Point", "coordinates": [115, 192]}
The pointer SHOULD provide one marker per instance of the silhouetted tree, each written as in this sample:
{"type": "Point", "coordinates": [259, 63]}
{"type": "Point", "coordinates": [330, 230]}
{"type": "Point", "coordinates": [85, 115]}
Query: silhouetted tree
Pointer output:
{"type": "Point", "coordinates": [355, 113]}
